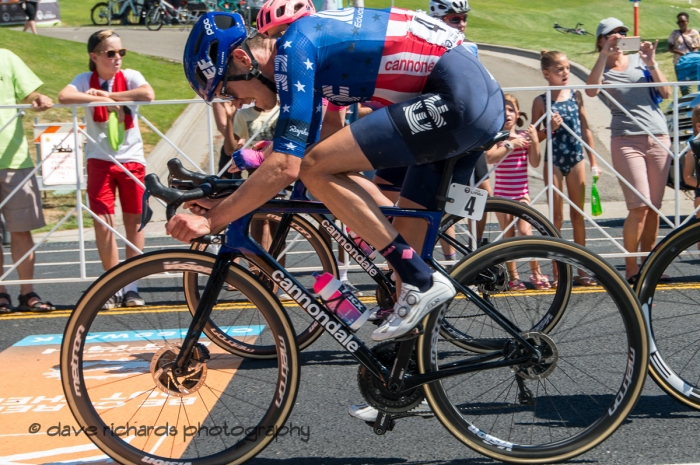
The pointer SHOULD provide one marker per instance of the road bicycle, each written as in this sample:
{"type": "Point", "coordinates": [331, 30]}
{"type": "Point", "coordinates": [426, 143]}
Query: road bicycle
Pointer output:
{"type": "Point", "coordinates": [578, 30]}
{"type": "Point", "coordinates": [668, 286]}
{"type": "Point", "coordinates": [163, 12]}
{"type": "Point", "coordinates": [149, 387]}
{"type": "Point", "coordinates": [304, 245]}
{"type": "Point", "coordinates": [126, 11]}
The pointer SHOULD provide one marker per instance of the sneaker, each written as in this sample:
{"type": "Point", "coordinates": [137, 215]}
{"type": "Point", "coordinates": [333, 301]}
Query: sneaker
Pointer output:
{"type": "Point", "coordinates": [351, 287]}
{"type": "Point", "coordinates": [115, 301]}
{"type": "Point", "coordinates": [133, 299]}
{"type": "Point", "coordinates": [366, 412]}
{"type": "Point", "coordinates": [413, 305]}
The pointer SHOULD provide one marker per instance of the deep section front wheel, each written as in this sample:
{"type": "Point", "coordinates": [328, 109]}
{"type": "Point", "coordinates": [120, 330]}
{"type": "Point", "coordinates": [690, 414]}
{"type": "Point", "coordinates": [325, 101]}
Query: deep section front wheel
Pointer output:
{"type": "Point", "coordinates": [123, 387]}
{"type": "Point", "coordinates": [565, 398]}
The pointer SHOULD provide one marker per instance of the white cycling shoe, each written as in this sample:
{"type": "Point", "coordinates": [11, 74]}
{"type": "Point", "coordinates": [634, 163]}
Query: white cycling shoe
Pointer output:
{"type": "Point", "coordinates": [366, 412]}
{"type": "Point", "coordinates": [412, 306]}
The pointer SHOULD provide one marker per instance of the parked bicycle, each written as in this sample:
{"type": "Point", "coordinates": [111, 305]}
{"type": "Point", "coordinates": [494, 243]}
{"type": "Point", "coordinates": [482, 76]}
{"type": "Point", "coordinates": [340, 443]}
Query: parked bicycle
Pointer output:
{"type": "Point", "coordinates": [125, 11]}
{"type": "Point", "coordinates": [185, 14]}
{"type": "Point", "coordinates": [520, 401]}
{"type": "Point", "coordinates": [578, 30]}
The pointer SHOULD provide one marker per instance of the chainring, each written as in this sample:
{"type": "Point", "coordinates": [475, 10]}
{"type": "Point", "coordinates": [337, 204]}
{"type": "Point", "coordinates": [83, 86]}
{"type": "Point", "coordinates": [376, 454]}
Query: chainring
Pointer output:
{"type": "Point", "coordinates": [374, 391]}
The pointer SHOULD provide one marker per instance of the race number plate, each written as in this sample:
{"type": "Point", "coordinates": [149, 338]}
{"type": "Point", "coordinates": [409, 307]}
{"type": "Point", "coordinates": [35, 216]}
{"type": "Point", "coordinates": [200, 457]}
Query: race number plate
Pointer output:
{"type": "Point", "coordinates": [468, 202]}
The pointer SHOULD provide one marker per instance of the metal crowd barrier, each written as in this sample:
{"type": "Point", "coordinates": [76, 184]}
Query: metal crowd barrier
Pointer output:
{"type": "Point", "coordinates": [82, 276]}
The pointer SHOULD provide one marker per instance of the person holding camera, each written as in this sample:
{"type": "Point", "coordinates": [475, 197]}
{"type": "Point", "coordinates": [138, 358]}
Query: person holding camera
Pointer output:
{"type": "Point", "coordinates": [640, 159]}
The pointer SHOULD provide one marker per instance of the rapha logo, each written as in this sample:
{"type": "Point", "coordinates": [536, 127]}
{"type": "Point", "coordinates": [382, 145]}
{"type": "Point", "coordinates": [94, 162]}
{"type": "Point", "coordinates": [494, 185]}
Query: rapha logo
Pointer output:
{"type": "Point", "coordinates": [298, 131]}
{"type": "Point", "coordinates": [281, 72]}
{"type": "Point", "coordinates": [424, 119]}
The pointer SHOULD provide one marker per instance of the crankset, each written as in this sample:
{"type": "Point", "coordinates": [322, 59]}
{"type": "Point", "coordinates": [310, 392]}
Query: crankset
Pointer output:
{"type": "Point", "coordinates": [176, 382]}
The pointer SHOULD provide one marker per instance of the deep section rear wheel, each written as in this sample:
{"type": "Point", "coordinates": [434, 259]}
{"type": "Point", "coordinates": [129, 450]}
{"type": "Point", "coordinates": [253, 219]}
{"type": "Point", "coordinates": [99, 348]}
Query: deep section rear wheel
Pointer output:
{"type": "Point", "coordinates": [120, 383]}
{"type": "Point", "coordinates": [590, 372]}
{"type": "Point", "coordinates": [305, 252]}
{"type": "Point", "coordinates": [464, 324]}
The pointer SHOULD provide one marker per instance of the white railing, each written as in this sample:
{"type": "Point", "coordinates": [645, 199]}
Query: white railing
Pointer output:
{"type": "Point", "coordinates": [208, 138]}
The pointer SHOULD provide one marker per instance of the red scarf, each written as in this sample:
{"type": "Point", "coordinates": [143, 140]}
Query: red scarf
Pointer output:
{"type": "Point", "coordinates": [101, 114]}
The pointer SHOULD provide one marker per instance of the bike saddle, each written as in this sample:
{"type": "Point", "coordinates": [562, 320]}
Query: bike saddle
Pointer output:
{"type": "Point", "coordinates": [499, 137]}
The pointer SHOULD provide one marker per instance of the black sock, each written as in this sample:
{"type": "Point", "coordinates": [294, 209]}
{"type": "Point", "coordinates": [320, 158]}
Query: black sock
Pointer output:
{"type": "Point", "coordinates": [408, 264]}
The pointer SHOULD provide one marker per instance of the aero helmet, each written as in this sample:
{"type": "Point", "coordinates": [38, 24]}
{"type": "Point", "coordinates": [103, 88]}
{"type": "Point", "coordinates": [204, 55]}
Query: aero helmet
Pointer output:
{"type": "Point", "coordinates": [278, 12]}
{"type": "Point", "coordinates": [208, 47]}
{"type": "Point", "coordinates": [440, 8]}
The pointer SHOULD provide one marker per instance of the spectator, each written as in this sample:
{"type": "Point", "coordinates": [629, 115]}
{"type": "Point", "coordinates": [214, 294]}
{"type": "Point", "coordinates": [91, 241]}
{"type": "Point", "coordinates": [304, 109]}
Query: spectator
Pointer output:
{"type": "Point", "coordinates": [223, 113]}
{"type": "Point", "coordinates": [691, 166]}
{"type": "Point", "coordinates": [637, 157]}
{"type": "Point", "coordinates": [107, 82]}
{"type": "Point", "coordinates": [521, 148]}
{"type": "Point", "coordinates": [22, 211]}
{"type": "Point", "coordinates": [683, 39]}
{"type": "Point", "coordinates": [567, 108]}
{"type": "Point", "coordinates": [30, 8]}
{"type": "Point", "coordinates": [681, 42]}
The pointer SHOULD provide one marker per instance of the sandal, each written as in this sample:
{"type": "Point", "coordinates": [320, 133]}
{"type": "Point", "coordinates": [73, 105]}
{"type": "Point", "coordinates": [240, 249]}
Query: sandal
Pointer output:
{"type": "Point", "coordinates": [585, 281]}
{"type": "Point", "coordinates": [516, 285]}
{"type": "Point", "coordinates": [38, 306]}
{"type": "Point", "coordinates": [6, 307]}
{"type": "Point", "coordinates": [542, 284]}
{"type": "Point", "coordinates": [632, 280]}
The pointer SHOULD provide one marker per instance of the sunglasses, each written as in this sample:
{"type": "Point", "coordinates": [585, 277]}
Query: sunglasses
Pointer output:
{"type": "Point", "coordinates": [456, 19]}
{"type": "Point", "coordinates": [622, 33]}
{"type": "Point", "coordinates": [113, 53]}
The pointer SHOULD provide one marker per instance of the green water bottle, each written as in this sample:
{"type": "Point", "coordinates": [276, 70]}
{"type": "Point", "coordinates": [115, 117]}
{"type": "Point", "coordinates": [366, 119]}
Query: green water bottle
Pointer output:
{"type": "Point", "coordinates": [596, 208]}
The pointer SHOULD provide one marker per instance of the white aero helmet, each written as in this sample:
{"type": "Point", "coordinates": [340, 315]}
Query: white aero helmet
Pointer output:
{"type": "Point", "coordinates": [440, 8]}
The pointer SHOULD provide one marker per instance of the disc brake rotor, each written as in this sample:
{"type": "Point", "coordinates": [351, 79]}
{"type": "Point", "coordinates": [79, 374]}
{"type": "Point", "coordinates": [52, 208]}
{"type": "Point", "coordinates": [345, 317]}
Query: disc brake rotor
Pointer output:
{"type": "Point", "coordinates": [190, 380]}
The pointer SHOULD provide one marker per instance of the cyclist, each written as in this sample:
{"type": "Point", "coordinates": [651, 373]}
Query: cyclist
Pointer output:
{"type": "Point", "coordinates": [407, 61]}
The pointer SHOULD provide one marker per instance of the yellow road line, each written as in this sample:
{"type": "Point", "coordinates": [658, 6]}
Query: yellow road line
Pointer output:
{"type": "Point", "coordinates": [243, 305]}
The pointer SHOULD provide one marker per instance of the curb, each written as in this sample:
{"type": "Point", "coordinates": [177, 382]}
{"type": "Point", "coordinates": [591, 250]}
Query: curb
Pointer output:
{"type": "Point", "coordinates": [577, 70]}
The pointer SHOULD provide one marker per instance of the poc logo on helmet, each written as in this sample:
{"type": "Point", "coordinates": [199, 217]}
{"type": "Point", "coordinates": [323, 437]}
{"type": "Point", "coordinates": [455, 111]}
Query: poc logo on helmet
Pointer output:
{"type": "Point", "coordinates": [207, 27]}
{"type": "Point", "coordinates": [207, 68]}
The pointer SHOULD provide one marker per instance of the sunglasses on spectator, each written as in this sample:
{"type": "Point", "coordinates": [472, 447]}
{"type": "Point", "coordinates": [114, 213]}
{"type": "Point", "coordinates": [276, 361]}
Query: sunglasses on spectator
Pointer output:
{"type": "Point", "coordinates": [682, 21]}
{"type": "Point", "coordinates": [622, 33]}
{"type": "Point", "coordinates": [456, 19]}
{"type": "Point", "coordinates": [113, 53]}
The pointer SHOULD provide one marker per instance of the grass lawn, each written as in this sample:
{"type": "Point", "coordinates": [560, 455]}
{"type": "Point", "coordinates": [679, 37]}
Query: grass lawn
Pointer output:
{"type": "Point", "coordinates": [76, 12]}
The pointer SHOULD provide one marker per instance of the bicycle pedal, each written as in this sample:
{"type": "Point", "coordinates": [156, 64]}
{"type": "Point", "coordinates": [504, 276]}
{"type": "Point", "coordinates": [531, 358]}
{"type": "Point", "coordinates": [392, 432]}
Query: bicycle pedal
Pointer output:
{"type": "Point", "coordinates": [382, 424]}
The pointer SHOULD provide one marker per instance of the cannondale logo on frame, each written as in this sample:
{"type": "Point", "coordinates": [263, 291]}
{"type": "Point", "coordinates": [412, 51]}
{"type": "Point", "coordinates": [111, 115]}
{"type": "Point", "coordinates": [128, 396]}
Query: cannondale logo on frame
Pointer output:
{"type": "Point", "coordinates": [420, 120]}
{"type": "Point", "coordinates": [281, 72]}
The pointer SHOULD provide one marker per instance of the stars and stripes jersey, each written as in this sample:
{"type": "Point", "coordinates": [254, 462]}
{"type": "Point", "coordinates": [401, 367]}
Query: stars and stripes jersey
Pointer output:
{"type": "Point", "coordinates": [348, 56]}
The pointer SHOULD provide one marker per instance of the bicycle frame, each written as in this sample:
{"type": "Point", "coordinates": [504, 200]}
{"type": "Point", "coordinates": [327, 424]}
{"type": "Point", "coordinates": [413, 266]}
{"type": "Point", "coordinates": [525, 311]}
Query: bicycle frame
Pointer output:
{"type": "Point", "coordinates": [238, 243]}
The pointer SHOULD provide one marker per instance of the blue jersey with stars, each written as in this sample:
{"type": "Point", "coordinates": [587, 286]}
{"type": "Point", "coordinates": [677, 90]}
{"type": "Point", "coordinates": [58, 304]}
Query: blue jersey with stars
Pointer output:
{"type": "Point", "coordinates": [352, 55]}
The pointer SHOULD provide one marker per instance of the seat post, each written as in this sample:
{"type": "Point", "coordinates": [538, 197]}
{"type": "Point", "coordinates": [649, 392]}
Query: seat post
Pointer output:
{"type": "Point", "coordinates": [446, 180]}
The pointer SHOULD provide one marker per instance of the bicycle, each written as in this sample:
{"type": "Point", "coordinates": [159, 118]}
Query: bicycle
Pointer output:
{"type": "Point", "coordinates": [163, 12]}
{"type": "Point", "coordinates": [572, 30]}
{"type": "Point", "coordinates": [213, 407]}
{"type": "Point", "coordinates": [127, 11]}
{"type": "Point", "coordinates": [667, 286]}
{"type": "Point", "coordinates": [296, 235]}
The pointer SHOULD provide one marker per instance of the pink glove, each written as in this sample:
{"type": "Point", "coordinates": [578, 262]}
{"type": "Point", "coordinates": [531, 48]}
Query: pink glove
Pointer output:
{"type": "Point", "coordinates": [247, 159]}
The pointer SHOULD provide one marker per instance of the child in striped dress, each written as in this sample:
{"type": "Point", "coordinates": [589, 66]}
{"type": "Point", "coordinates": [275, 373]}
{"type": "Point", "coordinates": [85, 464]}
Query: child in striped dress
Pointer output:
{"type": "Point", "coordinates": [511, 182]}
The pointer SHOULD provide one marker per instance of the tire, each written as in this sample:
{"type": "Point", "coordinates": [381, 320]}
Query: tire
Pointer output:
{"type": "Point", "coordinates": [115, 370]}
{"type": "Point", "coordinates": [670, 305]}
{"type": "Point", "coordinates": [586, 388]}
{"type": "Point", "coordinates": [154, 18]}
{"type": "Point", "coordinates": [307, 252]}
{"type": "Point", "coordinates": [100, 14]}
{"type": "Point", "coordinates": [131, 17]}
{"type": "Point", "coordinates": [467, 326]}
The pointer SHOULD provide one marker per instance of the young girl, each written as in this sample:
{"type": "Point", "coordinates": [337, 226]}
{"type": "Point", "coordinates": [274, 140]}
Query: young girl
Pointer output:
{"type": "Point", "coordinates": [567, 108]}
{"type": "Point", "coordinates": [511, 182]}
